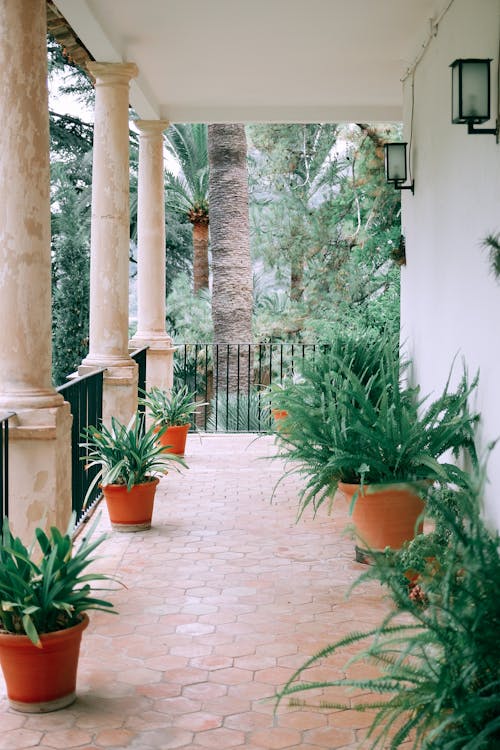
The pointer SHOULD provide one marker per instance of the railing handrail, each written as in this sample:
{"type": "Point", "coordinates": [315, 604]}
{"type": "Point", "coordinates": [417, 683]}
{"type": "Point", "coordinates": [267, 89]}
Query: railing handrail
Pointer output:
{"type": "Point", "coordinates": [138, 351]}
{"type": "Point", "coordinates": [251, 343]}
{"type": "Point", "coordinates": [79, 378]}
{"type": "Point", "coordinates": [7, 415]}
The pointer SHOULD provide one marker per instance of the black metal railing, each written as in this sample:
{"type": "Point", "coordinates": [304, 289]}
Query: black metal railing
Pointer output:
{"type": "Point", "coordinates": [4, 463]}
{"type": "Point", "coordinates": [139, 356]}
{"type": "Point", "coordinates": [233, 380]}
{"type": "Point", "coordinates": [84, 395]}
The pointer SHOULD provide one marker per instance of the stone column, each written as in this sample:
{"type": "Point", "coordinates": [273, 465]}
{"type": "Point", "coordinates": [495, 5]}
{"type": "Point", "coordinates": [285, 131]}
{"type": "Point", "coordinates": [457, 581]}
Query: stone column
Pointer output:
{"type": "Point", "coordinates": [151, 257]}
{"type": "Point", "coordinates": [40, 439]}
{"type": "Point", "coordinates": [110, 237]}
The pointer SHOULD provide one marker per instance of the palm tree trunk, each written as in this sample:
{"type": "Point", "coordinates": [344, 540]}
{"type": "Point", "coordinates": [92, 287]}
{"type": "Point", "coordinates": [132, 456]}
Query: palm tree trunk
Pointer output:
{"type": "Point", "coordinates": [200, 255]}
{"type": "Point", "coordinates": [230, 242]}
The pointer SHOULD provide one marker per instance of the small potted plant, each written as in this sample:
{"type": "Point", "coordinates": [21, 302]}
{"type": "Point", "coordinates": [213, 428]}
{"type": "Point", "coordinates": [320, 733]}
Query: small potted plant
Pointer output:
{"type": "Point", "coordinates": [131, 461]}
{"type": "Point", "coordinates": [356, 425]}
{"type": "Point", "coordinates": [45, 593]}
{"type": "Point", "coordinates": [173, 411]}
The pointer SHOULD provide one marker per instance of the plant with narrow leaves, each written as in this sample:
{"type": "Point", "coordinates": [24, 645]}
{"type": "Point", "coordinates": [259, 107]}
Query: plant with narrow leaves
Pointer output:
{"type": "Point", "coordinates": [174, 408]}
{"type": "Point", "coordinates": [439, 683]}
{"type": "Point", "coordinates": [126, 454]}
{"type": "Point", "coordinates": [247, 412]}
{"type": "Point", "coordinates": [355, 420]}
{"type": "Point", "coordinates": [42, 594]}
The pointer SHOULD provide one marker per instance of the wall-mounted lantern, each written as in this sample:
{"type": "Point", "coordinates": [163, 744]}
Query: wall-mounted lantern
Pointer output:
{"type": "Point", "coordinates": [395, 166]}
{"type": "Point", "coordinates": [470, 95]}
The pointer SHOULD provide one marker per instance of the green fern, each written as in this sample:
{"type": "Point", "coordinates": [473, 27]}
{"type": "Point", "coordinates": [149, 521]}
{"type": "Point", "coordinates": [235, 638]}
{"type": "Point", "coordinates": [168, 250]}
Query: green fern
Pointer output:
{"type": "Point", "coordinates": [440, 664]}
{"type": "Point", "coordinates": [355, 420]}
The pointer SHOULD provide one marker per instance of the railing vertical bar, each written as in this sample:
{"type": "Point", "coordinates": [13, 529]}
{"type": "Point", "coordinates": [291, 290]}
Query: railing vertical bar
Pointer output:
{"type": "Point", "coordinates": [271, 363]}
{"type": "Point", "coordinates": [3, 468]}
{"type": "Point", "coordinates": [206, 407]}
{"type": "Point", "coordinates": [6, 469]}
{"type": "Point", "coordinates": [195, 386]}
{"type": "Point", "coordinates": [217, 387]}
{"type": "Point", "coordinates": [237, 390]}
{"type": "Point", "coordinates": [249, 374]}
{"type": "Point", "coordinates": [228, 352]}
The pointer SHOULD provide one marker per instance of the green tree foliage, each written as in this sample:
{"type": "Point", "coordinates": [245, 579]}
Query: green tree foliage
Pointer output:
{"type": "Point", "coordinates": [71, 167]}
{"type": "Point", "coordinates": [187, 190]}
{"type": "Point", "coordinates": [70, 266]}
{"type": "Point", "coordinates": [324, 222]}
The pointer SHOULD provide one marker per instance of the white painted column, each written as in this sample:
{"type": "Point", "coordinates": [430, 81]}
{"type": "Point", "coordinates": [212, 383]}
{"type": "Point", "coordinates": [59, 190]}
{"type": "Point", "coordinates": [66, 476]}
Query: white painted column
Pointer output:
{"type": "Point", "coordinates": [40, 442]}
{"type": "Point", "coordinates": [110, 237]}
{"type": "Point", "coordinates": [151, 257]}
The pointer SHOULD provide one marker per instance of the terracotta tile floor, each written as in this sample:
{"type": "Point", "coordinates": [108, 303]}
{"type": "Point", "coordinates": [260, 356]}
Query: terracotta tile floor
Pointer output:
{"type": "Point", "coordinates": [224, 598]}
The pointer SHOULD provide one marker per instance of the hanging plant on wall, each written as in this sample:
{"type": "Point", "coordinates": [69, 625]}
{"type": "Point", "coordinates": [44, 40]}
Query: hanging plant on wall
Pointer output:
{"type": "Point", "coordinates": [492, 243]}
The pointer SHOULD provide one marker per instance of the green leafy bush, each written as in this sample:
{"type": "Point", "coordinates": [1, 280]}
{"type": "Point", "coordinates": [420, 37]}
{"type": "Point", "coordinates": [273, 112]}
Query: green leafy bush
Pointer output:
{"type": "Point", "coordinates": [354, 419]}
{"type": "Point", "coordinates": [438, 653]}
{"type": "Point", "coordinates": [239, 413]}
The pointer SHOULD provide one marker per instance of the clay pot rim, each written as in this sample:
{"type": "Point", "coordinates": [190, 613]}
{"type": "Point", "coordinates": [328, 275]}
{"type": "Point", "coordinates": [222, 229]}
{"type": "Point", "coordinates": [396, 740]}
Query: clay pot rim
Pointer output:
{"type": "Point", "coordinates": [22, 640]}
{"type": "Point", "coordinates": [150, 480]}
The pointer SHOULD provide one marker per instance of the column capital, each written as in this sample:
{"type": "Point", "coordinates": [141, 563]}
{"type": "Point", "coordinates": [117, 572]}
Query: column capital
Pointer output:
{"type": "Point", "coordinates": [151, 127]}
{"type": "Point", "coordinates": [107, 73]}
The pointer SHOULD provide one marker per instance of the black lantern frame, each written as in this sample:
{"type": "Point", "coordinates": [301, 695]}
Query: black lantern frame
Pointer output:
{"type": "Point", "coordinates": [470, 94]}
{"type": "Point", "coordinates": [395, 165]}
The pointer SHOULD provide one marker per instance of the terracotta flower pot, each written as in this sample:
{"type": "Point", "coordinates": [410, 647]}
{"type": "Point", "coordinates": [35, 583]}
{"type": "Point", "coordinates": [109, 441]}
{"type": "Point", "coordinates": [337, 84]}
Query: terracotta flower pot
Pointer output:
{"type": "Point", "coordinates": [41, 679]}
{"type": "Point", "coordinates": [279, 414]}
{"type": "Point", "coordinates": [384, 518]}
{"type": "Point", "coordinates": [175, 438]}
{"type": "Point", "coordinates": [130, 510]}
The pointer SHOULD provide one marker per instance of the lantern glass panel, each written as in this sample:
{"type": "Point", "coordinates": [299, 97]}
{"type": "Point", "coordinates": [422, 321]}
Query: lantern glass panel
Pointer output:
{"type": "Point", "coordinates": [476, 91]}
{"type": "Point", "coordinates": [395, 162]}
{"type": "Point", "coordinates": [470, 91]}
{"type": "Point", "coordinates": [456, 115]}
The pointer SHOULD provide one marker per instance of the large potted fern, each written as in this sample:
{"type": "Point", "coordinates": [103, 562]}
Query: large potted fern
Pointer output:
{"type": "Point", "coordinates": [45, 592]}
{"type": "Point", "coordinates": [356, 425]}
{"type": "Point", "coordinates": [131, 460]}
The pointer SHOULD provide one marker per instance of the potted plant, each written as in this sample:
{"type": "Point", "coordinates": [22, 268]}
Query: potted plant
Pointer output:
{"type": "Point", "coordinates": [131, 461]}
{"type": "Point", "coordinates": [356, 425]}
{"type": "Point", "coordinates": [45, 593]}
{"type": "Point", "coordinates": [438, 685]}
{"type": "Point", "coordinates": [173, 411]}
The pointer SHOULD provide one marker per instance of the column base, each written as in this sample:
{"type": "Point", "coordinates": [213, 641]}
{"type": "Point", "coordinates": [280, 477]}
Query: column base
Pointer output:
{"type": "Point", "coordinates": [99, 361]}
{"type": "Point", "coordinates": [119, 397]}
{"type": "Point", "coordinates": [40, 470]}
{"type": "Point", "coordinates": [36, 398]}
{"type": "Point", "coordinates": [159, 359]}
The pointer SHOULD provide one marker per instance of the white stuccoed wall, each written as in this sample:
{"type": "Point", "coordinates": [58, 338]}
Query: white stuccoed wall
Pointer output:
{"type": "Point", "coordinates": [450, 300]}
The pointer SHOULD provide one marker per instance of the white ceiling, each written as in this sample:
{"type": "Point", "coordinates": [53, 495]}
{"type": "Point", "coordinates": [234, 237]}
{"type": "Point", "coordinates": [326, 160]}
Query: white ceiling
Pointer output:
{"type": "Point", "coordinates": [259, 60]}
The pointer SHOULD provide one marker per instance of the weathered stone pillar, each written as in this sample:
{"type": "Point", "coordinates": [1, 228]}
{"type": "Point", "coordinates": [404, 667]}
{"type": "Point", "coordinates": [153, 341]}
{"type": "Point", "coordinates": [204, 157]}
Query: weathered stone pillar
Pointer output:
{"type": "Point", "coordinates": [40, 439]}
{"type": "Point", "coordinates": [151, 257]}
{"type": "Point", "coordinates": [109, 245]}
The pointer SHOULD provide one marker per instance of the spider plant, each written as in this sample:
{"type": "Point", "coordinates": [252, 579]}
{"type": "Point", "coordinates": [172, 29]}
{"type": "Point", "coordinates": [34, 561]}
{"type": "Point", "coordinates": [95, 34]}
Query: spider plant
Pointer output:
{"type": "Point", "coordinates": [126, 454]}
{"type": "Point", "coordinates": [170, 409]}
{"type": "Point", "coordinates": [44, 588]}
{"type": "Point", "coordinates": [439, 684]}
